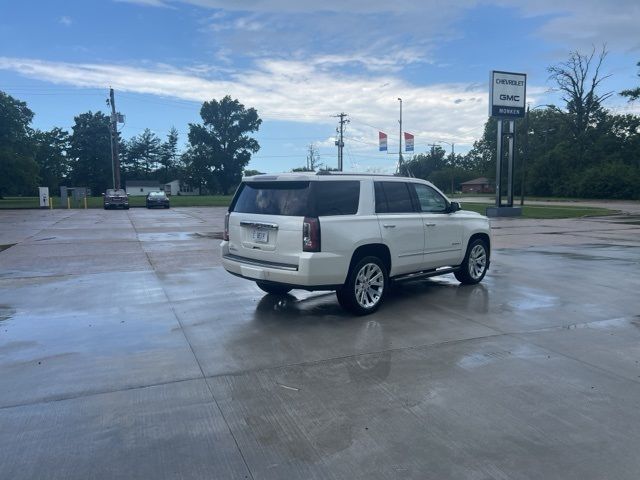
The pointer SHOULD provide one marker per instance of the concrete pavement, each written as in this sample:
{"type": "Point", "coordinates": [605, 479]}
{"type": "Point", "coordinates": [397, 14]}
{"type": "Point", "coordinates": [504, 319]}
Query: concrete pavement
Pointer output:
{"type": "Point", "coordinates": [126, 351]}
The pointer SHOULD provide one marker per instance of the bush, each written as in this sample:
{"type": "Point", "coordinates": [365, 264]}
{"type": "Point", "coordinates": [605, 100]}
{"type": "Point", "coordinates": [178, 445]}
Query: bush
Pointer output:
{"type": "Point", "coordinates": [610, 180]}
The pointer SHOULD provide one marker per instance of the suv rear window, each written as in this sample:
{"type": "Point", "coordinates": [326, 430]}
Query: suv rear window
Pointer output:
{"type": "Point", "coordinates": [299, 199]}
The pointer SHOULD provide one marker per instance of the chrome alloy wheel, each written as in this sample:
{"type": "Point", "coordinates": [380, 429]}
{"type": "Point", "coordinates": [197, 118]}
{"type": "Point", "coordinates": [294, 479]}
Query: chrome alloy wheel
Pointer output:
{"type": "Point", "coordinates": [369, 285]}
{"type": "Point", "coordinates": [477, 262]}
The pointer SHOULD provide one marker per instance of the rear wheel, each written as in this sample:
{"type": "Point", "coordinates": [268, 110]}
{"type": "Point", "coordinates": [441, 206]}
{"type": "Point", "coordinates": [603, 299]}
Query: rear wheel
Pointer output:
{"type": "Point", "coordinates": [365, 288]}
{"type": "Point", "coordinates": [475, 263]}
{"type": "Point", "coordinates": [273, 289]}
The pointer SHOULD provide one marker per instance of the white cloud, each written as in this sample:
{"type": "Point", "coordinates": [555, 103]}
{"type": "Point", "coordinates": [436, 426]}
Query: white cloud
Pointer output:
{"type": "Point", "coordinates": [65, 20]}
{"type": "Point", "coordinates": [146, 3]}
{"type": "Point", "coordinates": [582, 23]}
{"type": "Point", "coordinates": [573, 23]}
{"type": "Point", "coordinates": [295, 91]}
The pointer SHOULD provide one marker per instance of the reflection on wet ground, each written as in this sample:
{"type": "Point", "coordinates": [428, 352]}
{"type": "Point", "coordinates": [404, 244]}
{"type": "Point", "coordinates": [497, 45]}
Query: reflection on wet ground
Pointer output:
{"type": "Point", "coordinates": [125, 347]}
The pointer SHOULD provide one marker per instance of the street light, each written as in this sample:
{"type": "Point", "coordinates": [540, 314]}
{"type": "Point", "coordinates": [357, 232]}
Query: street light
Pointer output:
{"type": "Point", "coordinates": [526, 148]}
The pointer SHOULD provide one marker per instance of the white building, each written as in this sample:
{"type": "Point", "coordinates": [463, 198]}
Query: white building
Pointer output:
{"type": "Point", "coordinates": [176, 187]}
{"type": "Point", "coordinates": [140, 188]}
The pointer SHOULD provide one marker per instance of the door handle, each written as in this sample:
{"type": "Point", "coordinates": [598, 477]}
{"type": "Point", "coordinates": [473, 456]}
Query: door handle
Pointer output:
{"type": "Point", "coordinates": [388, 225]}
{"type": "Point", "coordinates": [429, 224]}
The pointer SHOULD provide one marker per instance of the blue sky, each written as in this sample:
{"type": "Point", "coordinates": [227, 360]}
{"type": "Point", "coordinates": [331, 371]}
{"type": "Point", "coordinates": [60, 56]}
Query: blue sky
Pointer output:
{"type": "Point", "coordinates": [301, 63]}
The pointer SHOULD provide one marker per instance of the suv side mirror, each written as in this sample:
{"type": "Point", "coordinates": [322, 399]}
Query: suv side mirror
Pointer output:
{"type": "Point", "coordinates": [454, 207]}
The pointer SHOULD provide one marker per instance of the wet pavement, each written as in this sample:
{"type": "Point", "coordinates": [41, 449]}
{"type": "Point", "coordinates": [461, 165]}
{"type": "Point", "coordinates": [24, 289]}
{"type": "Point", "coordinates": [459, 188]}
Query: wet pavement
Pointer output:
{"type": "Point", "coordinates": [126, 351]}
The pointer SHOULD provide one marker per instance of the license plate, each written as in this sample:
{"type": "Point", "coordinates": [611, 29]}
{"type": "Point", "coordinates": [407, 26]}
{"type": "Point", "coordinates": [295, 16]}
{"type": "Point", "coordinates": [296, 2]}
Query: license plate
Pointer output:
{"type": "Point", "coordinates": [260, 236]}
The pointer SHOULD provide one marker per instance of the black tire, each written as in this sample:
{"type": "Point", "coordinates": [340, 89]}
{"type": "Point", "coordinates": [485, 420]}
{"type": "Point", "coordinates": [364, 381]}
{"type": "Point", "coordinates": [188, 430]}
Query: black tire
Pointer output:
{"type": "Point", "coordinates": [273, 289]}
{"type": "Point", "coordinates": [366, 270]}
{"type": "Point", "coordinates": [475, 264]}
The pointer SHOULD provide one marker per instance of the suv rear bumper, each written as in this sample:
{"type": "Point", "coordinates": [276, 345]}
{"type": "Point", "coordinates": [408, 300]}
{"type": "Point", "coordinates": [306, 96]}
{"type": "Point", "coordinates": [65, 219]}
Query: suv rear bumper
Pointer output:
{"type": "Point", "coordinates": [314, 270]}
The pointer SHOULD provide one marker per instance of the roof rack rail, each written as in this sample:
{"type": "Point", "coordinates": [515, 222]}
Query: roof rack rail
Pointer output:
{"type": "Point", "coordinates": [354, 174]}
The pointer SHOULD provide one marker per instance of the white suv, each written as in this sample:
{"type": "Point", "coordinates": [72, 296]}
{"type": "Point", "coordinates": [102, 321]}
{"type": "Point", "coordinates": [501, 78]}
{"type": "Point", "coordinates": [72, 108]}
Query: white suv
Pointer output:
{"type": "Point", "coordinates": [349, 233]}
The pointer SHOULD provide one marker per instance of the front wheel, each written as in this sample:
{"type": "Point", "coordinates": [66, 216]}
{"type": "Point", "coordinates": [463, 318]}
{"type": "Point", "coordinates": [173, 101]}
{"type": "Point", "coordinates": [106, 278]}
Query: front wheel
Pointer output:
{"type": "Point", "coordinates": [273, 288]}
{"type": "Point", "coordinates": [365, 287]}
{"type": "Point", "coordinates": [475, 264]}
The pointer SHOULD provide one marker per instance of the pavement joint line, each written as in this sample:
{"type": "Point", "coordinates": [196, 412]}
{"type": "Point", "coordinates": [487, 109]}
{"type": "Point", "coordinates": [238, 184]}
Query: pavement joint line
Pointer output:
{"type": "Point", "coordinates": [195, 357]}
{"type": "Point", "coordinates": [246, 371]}
{"type": "Point", "coordinates": [96, 393]}
{"type": "Point", "coordinates": [352, 355]}
{"type": "Point", "coordinates": [601, 369]}
{"type": "Point", "coordinates": [516, 335]}
{"type": "Point", "coordinates": [71, 214]}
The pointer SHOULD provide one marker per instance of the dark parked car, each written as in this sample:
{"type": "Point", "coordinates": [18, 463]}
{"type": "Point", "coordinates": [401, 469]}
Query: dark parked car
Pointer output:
{"type": "Point", "coordinates": [157, 199]}
{"type": "Point", "coordinates": [115, 199]}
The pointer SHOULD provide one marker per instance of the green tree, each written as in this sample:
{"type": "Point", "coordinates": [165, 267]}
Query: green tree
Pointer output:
{"type": "Point", "coordinates": [90, 152]}
{"type": "Point", "coordinates": [198, 172]}
{"type": "Point", "coordinates": [632, 93]}
{"type": "Point", "coordinates": [51, 156]}
{"type": "Point", "coordinates": [221, 144]}
{"type": "Point", "coordinates": [143, 155]}
{"type": "Point", "coordinates": [578, 79]}
{"type": "Point", "coordinates": [168, 156]}
{"type": "Point", "coordinates": [18, 169]}
{"type": "Point", "coordinates": [424, 164]}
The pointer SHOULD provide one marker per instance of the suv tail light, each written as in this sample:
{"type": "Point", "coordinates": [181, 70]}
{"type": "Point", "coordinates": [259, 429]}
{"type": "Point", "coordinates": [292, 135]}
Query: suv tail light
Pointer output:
{"type": "Point", "coordinates": [225, 235]}
{"type": "Point", "coordinates": [311, 235]}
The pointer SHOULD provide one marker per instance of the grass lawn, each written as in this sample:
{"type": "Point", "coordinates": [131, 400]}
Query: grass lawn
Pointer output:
{"type": "Point", "coordinates": [546, 211]}
{"type": "Point", "coordinates": [530, 211]}
{"type": "Point", "coordinates": [96, 202]}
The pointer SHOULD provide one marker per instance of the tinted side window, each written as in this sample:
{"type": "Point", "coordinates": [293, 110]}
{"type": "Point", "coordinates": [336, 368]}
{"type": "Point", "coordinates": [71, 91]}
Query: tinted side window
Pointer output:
{"type": "Point", "coordinates": [397, 195]}
{"type": "Point", "coordinates": [336, 198]}
{"type": "Point", "coordinates": [273, 198]}
{"type": "Point", "coordinates": [381, 201]}
{"type": "Point", "coordinates": [430, 200]}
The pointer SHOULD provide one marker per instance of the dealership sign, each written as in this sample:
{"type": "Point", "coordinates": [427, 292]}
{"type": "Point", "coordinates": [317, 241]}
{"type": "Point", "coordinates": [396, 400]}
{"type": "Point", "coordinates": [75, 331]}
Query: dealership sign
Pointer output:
{"type": "Point", "coordinates": [507, 94]}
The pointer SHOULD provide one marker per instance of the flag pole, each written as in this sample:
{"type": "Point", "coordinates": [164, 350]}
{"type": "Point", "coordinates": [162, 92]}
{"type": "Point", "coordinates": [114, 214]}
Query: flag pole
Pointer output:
{"type": "Point", "coordinates": [400, 138]}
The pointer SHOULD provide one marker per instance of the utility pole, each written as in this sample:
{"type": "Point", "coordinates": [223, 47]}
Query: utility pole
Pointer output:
{"type": "Point", "coordinates": [115, 160]}
{"type": "Point", "coordinates": [400, 138]}
{"type": "Point", "coordinates": [340, 141]}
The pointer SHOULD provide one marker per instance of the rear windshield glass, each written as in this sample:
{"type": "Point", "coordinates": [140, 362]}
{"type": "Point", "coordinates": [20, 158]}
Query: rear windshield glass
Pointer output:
{"type": "Point", "coordinates": [311, 199]}
{"type": "Point", "coordinates": [273, 198]}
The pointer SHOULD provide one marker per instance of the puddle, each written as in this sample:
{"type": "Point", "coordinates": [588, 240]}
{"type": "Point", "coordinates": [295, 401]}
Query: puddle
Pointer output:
{"type": "Point", "coordinates": [601, 324]}
{"type": "Point", "coordinates": [214, 235]}
{"type": "Point", "coordinates": [169, 236]}
{"type": "Point", "coordinates": [530, 301]}
{"type": "Point", "coordinates": [6, 312]}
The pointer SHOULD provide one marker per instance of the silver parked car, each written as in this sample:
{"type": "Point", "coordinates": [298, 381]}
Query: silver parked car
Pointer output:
{"type": "Point", "coordinates": [115, 199]}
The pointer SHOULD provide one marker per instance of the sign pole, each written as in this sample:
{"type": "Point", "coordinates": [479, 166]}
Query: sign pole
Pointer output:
{"type": "Point", "coordinates": [512, 139]}
{"type": "Point", "coordinates": [507, 100]}
{"type": "Point", "coordinates": [499, 165]}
